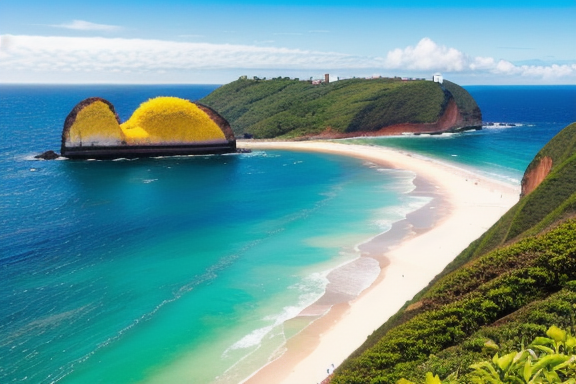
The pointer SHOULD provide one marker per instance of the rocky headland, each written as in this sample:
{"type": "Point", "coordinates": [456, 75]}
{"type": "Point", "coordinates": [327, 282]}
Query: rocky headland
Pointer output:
{"type": "Point", "coordinates": [293, 109]}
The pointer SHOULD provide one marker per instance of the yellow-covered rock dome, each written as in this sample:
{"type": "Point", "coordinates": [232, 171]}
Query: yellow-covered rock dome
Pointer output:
{"type": "Point", "coordinates": [93, 121]}
{"type": "Point", "coordinates": [170, 120]}
{"type": "Point", "coordinates": [160, 126]}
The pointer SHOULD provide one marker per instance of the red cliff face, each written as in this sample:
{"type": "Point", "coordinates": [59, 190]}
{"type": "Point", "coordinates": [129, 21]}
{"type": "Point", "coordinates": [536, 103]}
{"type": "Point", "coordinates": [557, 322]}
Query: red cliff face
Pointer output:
{"type": "Point", "coordinates": [535, 175]}
{"type": "Point", "coordinates": [450, 119]}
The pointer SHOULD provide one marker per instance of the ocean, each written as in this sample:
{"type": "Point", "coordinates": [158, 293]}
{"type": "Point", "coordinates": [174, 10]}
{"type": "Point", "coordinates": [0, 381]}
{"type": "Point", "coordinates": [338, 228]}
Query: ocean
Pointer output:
{"type": "Point", "coordinates": [185, 269]}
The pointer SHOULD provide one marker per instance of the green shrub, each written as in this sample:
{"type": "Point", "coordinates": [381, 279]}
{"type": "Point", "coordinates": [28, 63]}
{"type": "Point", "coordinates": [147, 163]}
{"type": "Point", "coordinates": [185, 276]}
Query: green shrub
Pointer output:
{"type": "Point", "coordinates": [549, 359]}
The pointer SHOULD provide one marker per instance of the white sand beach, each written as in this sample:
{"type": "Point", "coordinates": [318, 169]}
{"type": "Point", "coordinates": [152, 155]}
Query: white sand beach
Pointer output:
{"type": "Point", "coordinates": [472, 204]}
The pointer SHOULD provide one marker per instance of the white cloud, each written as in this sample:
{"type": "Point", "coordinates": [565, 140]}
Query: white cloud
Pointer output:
{"type": "Point", "coordinates": [81, 25]}
{"type": "Point", "coordinates": [429, 56]}
{"type": "Point", "coordinates": [51, 55]}
{"type": "Point", "coordinates": [426, 56]}
{"type": "Point", "coordinates": [481, 63]}
{"type": "Point", "coordinates": [97, 53]}
{"type": "Point", "coordinates": [505, 67]}
{"type": "Point", "coordinates": [548, 72]}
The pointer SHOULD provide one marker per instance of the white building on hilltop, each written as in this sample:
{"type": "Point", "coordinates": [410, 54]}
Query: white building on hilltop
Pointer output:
{"type": "Point", "coordinates": [438, 78]}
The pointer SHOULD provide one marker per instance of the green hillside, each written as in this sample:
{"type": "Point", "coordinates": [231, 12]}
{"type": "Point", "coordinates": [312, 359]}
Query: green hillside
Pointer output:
{"type": "Point", "coordinates": [290, 108]}
{"type": "Point", "coordinates": [507, 287]}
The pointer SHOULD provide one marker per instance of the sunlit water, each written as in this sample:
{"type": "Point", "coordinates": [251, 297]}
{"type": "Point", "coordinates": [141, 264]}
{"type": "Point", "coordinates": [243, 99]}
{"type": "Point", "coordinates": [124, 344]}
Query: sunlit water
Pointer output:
{"type": "Point", "coordinates": [184, 269]}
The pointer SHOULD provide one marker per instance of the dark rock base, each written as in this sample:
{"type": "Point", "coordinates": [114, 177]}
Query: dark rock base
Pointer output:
{"type": "Point", "coordinates": [48, 155]}
{"type": "Point", "coordinates": [109, 152]}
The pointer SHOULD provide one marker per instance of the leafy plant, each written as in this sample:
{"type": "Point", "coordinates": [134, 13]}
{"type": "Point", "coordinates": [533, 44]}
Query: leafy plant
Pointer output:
{"type": "Point", "coordinates": [539, 363]}
{"type": "Point", "coordinates": [549, 359]}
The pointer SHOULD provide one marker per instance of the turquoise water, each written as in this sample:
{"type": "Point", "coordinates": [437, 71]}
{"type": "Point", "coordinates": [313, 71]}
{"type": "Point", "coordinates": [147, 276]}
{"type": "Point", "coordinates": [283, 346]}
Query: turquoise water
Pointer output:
{"type": "Point", "coordinates": [177, 269]}
{"type": "Point", "coordinates": [184, 269]}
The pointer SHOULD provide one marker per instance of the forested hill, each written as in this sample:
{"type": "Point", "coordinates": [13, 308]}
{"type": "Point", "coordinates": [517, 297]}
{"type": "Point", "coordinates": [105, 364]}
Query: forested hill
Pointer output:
{"type": "Point", "coordinates": [293, 109]}
{"type": "Point", "coordinates": [507, 288]}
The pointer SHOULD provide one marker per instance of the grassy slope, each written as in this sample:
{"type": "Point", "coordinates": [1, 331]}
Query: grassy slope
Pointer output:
{"type": "Point", "coordinates": [512, 283]}
{"type": "Point", "coordinates": [289, 108]}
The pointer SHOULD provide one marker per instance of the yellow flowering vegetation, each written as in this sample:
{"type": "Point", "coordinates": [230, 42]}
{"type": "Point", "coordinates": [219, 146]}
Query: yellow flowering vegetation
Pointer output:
{"type": "Point", "coordinates": [95, 124]}
{"type": "Point", "coordinates": [170, 120]}
{"type": "Point", "coordinates": [163, 120]}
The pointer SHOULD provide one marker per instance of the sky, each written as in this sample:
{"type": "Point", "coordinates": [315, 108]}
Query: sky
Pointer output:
{"type": "Point", "coordinates": [214, 42]}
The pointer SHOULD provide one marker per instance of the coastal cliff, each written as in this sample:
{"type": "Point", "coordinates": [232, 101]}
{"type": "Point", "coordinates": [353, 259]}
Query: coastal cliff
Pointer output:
{"type": "Point", "coordinates": [293, 109]}
{"type": "Point", "coordinates": [536, 174]}
{"type": "Point", "coordinates": [552, 154]}
{"type": "Point", "coordinates": [509, 286]}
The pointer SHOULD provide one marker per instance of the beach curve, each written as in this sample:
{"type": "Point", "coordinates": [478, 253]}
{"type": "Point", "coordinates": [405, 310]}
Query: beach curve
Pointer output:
{"type": "Point", "coordinates": [471, 204]}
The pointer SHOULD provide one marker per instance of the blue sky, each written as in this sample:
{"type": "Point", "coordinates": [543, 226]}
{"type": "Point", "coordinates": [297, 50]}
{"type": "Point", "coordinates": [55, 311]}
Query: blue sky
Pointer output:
{"type": "Point", "coordinates": [176, 41]}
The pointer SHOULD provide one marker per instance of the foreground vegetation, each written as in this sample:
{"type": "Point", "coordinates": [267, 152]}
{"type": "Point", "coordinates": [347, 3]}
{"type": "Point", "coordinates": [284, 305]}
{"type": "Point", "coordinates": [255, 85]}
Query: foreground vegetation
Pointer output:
{"type": "Point", "coordinates": [510, 286]}
{"type": "Point", "coordinates": [547, 360]}
{"type": "Point", "coordinates": [290, 108]}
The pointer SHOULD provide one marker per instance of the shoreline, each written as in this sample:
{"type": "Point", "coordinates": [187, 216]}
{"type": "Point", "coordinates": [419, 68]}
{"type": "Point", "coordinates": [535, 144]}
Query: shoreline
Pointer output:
{"type": "Point", "coordinates": [463, 206]}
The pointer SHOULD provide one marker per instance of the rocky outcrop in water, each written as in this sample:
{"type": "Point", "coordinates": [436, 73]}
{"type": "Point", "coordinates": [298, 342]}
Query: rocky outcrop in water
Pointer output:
{"type": "Point", "coordinates": [48, 155]}
{"type": "Point", "coordinates": [163, 126]}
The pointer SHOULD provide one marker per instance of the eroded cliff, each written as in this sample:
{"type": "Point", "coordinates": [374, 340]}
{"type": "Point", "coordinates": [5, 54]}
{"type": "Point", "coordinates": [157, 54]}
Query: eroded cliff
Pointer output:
{"type": "Point", "coordinates": [534, 176]}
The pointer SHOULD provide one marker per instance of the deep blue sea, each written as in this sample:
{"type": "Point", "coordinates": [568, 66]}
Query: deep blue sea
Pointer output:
{"type": "Point", "coordinates": [184, 269]}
